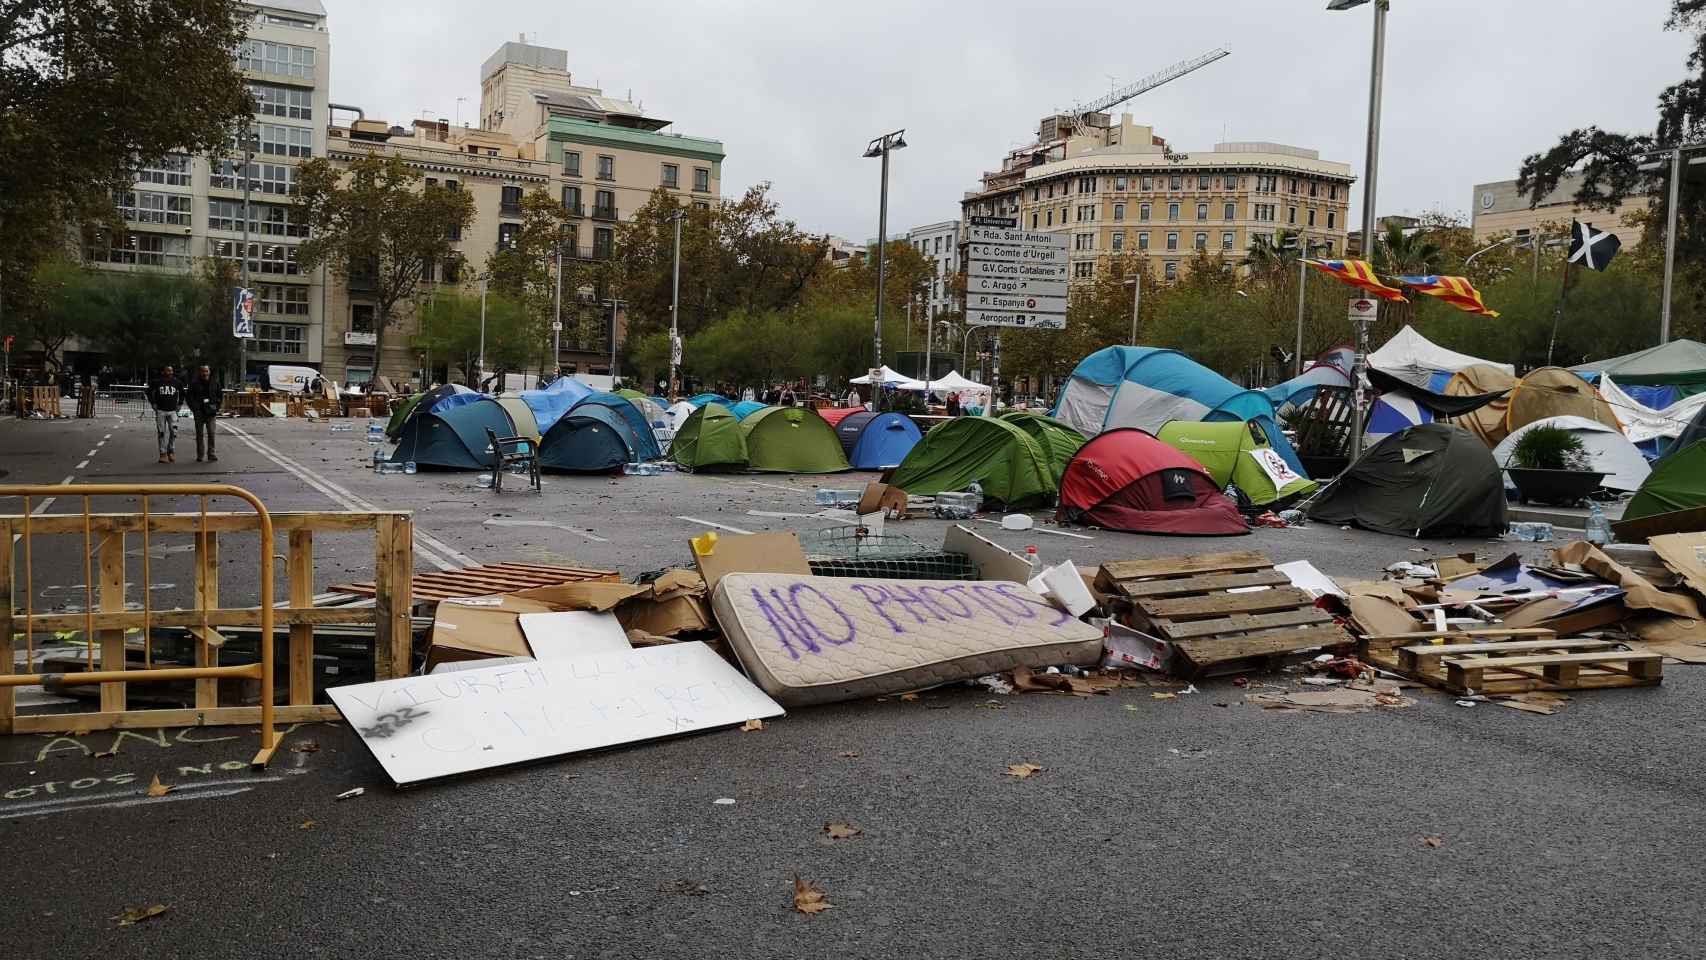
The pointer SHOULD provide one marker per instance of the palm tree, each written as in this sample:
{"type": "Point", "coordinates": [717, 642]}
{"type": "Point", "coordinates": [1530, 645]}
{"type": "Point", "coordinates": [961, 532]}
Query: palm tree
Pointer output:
{"type": "Point", "coordinates": [1269, 257]}
{"type": "Point", "coordinates": [1399, 253]}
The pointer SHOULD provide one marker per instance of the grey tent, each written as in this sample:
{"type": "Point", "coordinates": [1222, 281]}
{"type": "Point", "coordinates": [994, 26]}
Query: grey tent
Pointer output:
{"type": "Point", "coordinates": [1431, 480]}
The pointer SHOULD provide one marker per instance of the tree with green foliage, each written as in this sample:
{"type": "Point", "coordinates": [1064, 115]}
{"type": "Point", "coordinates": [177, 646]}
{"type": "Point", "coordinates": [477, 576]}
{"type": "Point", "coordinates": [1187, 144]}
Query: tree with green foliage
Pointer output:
{"type": "Point", "coordinates": [450, 329]}
{"type": "Point", "coordinates": [372, 221]}
{"type": "Point", "coordinates": [84, 97]}
{"type": "Point", "coordinates": [526, 272]}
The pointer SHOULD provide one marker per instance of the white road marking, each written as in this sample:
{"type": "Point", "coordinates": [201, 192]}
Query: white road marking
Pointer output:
{"type": "Point", "coordinates": [498, 522]}
{"type": "Point", "coordinates": [106, 438]}
{"type": "Point", "coordinates": [1037, 529]}
{"type": "Point", "coordinates": [707, 523]}
{"type": "Point", "coordinates": [94, 451]}
{"type": "Point", "coordinates": [426, 545]}
{"type": "Point", "coordinates": [761, 483]}
{"type": "Point", "coordinates": [41, 508]}
{"type": "Point", "coordinates": [184, 792]}
{"type": "Point", "coordinates": [81, 465]}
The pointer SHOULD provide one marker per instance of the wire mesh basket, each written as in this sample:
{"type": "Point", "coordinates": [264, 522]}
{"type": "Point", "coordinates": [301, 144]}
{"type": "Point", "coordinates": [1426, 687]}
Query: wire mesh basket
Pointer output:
{"type": "Point", "coordinates": [853, 551]}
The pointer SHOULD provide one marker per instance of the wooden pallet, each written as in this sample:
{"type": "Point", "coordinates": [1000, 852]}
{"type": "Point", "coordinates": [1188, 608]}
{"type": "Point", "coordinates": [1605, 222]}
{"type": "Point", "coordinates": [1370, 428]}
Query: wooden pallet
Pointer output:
{"type": "Point", "coordinates": [485, 581]}
{"type": "Point", "coordinates": [1518, 666]}
{"type": "Point", "coordinates": [1188, 602]}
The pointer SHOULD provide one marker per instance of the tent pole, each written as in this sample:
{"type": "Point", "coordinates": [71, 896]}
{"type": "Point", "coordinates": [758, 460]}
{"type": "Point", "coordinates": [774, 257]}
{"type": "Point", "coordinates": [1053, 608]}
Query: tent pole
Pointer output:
{"type": "Point", "coordinates": [1558, 314]}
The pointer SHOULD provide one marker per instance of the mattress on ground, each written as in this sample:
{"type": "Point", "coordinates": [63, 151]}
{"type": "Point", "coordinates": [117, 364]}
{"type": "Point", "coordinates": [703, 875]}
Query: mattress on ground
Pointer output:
{"type": "Point", "coordinates": [807, 640]}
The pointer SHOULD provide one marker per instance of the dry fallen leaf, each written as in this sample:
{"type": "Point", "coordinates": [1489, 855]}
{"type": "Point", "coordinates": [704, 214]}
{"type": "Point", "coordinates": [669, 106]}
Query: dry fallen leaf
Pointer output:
{"type": "Point", "coordinates": [156, 788]}
{"type": "Point", "coordinates": [751, 725]}
{"type": "Point", "coordinates": [106, 753]}
{"type": "Point", "coordinates": [841, 831]}
{"type": "Point", "coordinates": [1433, 841]}
{"type": "Point", "coordinates": [1023, 771]}
{"type": "Point", "coordinates": [1164, 696]}
{"type": "Point", "coordinates": [134, 915]}
{"type": "Point", "coordinates": [305, 746]}
{"type": "Point", "coordinates": [809, 897]}
{"type": "Point", "coordinates": [307, 824]}
{"type": "Point", "coordinates": [909, 696]}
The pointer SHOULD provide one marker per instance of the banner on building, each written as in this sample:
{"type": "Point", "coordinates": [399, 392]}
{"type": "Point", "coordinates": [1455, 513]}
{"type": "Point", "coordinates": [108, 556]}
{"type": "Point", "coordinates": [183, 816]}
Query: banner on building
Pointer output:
{"type": "Point", "coordinates": [243, 313]}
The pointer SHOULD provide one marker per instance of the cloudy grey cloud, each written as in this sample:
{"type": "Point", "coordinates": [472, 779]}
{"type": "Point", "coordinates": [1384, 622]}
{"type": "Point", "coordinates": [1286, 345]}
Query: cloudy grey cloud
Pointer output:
{"type": "Point", "coordinates": [795, 89]}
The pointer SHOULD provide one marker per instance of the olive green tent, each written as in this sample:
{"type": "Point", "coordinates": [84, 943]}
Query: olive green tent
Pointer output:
{"type": "Point", "coordinates": [1678, 482]}
{"type": "Point", "coordinates": [1230, 451]}
{"type": "Point", "coordinates": [791, 440]}
{"type": "Point", "coordinates": [1010, 466]}
{"type": "Point", "coordinates": [710, 439]}
{"type": "Point", "coordinates": [1059, 441]}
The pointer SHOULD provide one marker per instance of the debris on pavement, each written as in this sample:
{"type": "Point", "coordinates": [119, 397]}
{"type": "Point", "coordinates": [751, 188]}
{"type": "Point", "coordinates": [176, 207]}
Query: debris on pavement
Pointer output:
{"type": "Point", "coordinates": [809, 898]}
{"type": "Point", "coordinates": [131, 916]}
{"type": "Point", "coordinates": [841, 831]}
{"type": "Point", "coordinates": [351, 793]}
{"type": "Point", "coordinates": [1023, 771]}
{"type": "Point", "coordinates": [158, 789]}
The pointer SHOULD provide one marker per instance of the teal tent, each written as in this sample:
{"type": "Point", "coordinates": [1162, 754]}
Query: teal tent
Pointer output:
{"type": "Point", "coordinates": [453, 438]}
{"type": "Point", "coordinates": [645, 442]}
{"type": "Point", "coordinates": [593, 438]}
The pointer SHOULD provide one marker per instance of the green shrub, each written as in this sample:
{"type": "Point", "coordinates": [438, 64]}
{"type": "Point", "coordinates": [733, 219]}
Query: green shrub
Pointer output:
{"type": "Point", "coordinates": [1550, 448]}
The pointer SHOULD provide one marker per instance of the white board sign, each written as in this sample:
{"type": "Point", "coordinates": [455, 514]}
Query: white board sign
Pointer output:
{"type": "Point", "coordinates": [1013, 269]}
{"type": "Point", "coordinates": [567, 634]}
{"type": "Point", "coordinates": [1017, 286]}
{"type": "Point", "coordinates": [1026, 237]}
{"type": "Point", "coordinates": [1004, 318]}
{"type": "Point", "coordinates": [424, 728]}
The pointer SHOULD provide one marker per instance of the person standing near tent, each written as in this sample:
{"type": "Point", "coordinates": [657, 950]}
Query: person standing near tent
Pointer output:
{"type": "Point", "coordinates": [954, 404]}
{"type": "Point", "coordinates": [786, 397]}
{"type": "Point", "coordinates": [853, 398]}
{"type": "Point", "coordinates": [203, 396]}
{"type": "Point", "coordinates": [166, 395]}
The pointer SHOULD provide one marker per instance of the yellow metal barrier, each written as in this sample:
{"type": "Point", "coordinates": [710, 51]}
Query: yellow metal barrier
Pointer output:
{"type": "Point", "coordinates": [113, 619]}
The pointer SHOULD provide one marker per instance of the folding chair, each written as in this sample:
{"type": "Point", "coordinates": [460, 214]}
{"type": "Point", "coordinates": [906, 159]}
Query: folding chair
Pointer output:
{"type": "Point", "coordinates": [508, 451]}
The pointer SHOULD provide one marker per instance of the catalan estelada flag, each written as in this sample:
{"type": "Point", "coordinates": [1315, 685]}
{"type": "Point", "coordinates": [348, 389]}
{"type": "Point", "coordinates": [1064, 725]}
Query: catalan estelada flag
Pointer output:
{"type": "Point", "coordinates": [1360, 274]}
{"type": "Point", "coordinates": [1457, 291]}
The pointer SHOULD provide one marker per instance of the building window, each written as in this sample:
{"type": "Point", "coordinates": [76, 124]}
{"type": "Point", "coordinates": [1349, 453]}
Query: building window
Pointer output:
{"type": "Point", "coordinates": [268, 219]}
{"type": "Point", "coordinates": [606, 167]}
{"type": "Point", "coordinates": [1312, 218]}
{"type": "Point", "coordinates": [1087, 212]}
{"type": "Point", "coordinates": [1267, 183]}
{"type": "Point", "coordinates": [146, 249]}
{"type": "Point", "coordinates": [1230, 212]}
{"type": "Point", "coordinates": [604, 204]}
{"type": "Point", "coordinates": [1226, 240]}
{"type": "Point", "coordinates": [1143, 241]}
{"type": "Point", "coordinates": [281, 141]}
{"type": "Point", "coordinates": [1332, 220]}
{"type": "Point", "coordinates": [171, 170]}
{"type": "Point", "coordinates": [1119, 241]}
{"type": "Point", "coordinates": [289, 300]}
{"type": "Point", "coordinates": [1172, 211]}
{"type": "Point", "coordinates": [1170, 270]}
{"type": "Point", "coordinates": [1149, 183]}
{"type": "Point", "coordinates": [603, 243]}
{"type": "Point", "coordinates": [1084, 269]}
{"type": "Point", "coordinates": [146, 206]}
{"type": "Point", "coordinates": [938, 245]}
{"type": "Point", "coordinates": [572, 201]}
{"type": "Point", "coordinates": [1312, 188]}
{"type": "Point", "coordinates": [571, 164]}
{"type": "Point", "coordinates": [1333, 191]}
{"type": "Point", "coordinates": [1086, 184]}
{"type": "Point", "coordinates": [278, 259]}
{"type": "Point", "coordinates": [671, 176]}
{"type": "Point", "coordinates": [1033, 220]}
{"type": "Point", "coordinates": [1083, 241]}
{"type": "Point", "coordinates": [1119, 211]}
{"type": "Point", "coordinates": [1202, 241]}
{"type": "Point", "coordinates": [1033, 194]}
{"type": "Point", "coordinates": [701, 204]}
{"type": "Point", "coordinates": [1231, 183]}
{"type": "Point", "coordinates": [285, 338]}
{"type": "Point", "coordinates": [1290, 214]}
{"type": "Point", "coordinates": [509, 201]}
{"type": "Point", "coordinates": [1119, 183]}
{"type": "Point", "coordinates": [1202, 211]}
{"type": "Point", "coordinates": [1143, 211]}
{"type": "Point", "coordinates": [1204, 182]}
{"type": "Point", "coordinates": [291, 103]}
{"type": "Point", "coordinates": [1176, 183]}
{"type": "Point", "coordinates": [361, 317]}
{"type": "Point", "coordinates": [1292, 184]}
{"type": "Point", "coordinates": [283, 59]}
{"type": "Point", "coordinates": [1172, 241]}
{"type": "Point", "coordinates": [1050, 221]}
{"type": "Point", "coordinates": [507, 233]}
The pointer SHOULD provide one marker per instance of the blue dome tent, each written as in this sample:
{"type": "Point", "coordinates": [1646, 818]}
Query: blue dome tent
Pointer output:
{"type": "Point", "coordinates": [551, 402]}
{"type": "Point", "coordinates": [745, 408]}
{"type": "Point", "coordinates": [876, 441]}
{"type": "Point", "coordinates": [644, 443]}
{"type": "Point", "coordinates": [705, 398]}
{"type": "Point", "coordinates": [1145, 387]}
{"type": "Point", "coordinates": [594, 438]}
{"type": "Point", "coordinates": [455, 438]}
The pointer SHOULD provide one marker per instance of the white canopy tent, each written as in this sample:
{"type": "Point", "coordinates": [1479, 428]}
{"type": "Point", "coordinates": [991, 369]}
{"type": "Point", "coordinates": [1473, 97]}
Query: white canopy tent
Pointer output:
{"type": "Point", "coordinates": [1410, 351]}
{"type": "Point", "coordinates": [951, 382]}
{"type": "Point", "coordinates": [891, 378]}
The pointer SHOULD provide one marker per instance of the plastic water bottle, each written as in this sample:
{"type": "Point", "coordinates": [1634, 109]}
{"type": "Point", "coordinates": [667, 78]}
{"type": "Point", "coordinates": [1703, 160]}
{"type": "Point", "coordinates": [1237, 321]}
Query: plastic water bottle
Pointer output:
{"type": "Point", "coordinates": [639, 470]}
{"type": "Point", "coordinates": [409, 468]}
{"type": "Point", "coordinates": [378, 458]}
{"type": "Point", "coordinates": [1036, 561]}
{"type": "Point", "coordinates": [1598, 528]}
{"type": "Point", "coordinates": [375, 433]}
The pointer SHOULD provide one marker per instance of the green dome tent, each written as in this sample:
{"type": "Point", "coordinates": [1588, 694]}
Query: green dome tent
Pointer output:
{"type": "Point", "coordinates": [1229, 450]}
{"type": "Point", "coordinates": [1010, 466]}
{"type": "Point", "coordinates": [1059, 441]}
{"type": "Point", "coordinates": [710, 439]}
{"type": "Point", "coordinates": [1678, 482]}
{"type": "Point", "coordinates": [791, 440]}
{"type": "Point", "coordinates": [1430, 480]}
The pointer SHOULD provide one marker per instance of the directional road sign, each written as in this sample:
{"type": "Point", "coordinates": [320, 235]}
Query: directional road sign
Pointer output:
{"type": "Point", "coordinates": [1015, 278]}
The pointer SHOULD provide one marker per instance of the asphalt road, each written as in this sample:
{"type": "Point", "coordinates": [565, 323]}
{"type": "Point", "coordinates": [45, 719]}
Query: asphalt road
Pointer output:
{"type": "Point", "coordinates": [1266, 834]}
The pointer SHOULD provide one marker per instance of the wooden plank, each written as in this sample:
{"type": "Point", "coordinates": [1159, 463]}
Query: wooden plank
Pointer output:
{"type": "Point", "coordinates": [221, 521]}
{"type": "Point", "coordinates": [111, 599]}
{"type": "Point", "coordinates": [1541, 660]}
{"type": "Point", "coordinates": [1204, 653]}
{"type": "Point", "coordinates": [172, 717]}
{"type": "Point", "coordinates": [1148, 589]}
{"type": "Point", "coordinates": [1453, 632]}
{"type": "Point", "coordinates": [301, 656]}
{"type": "Point", "coordinates": [8, 651]}
{"type": "Point", "coordinates": [384, 647]}
{"type": "Point", "coordinates": [400, 560]}
{"type": "Point", "coordinates": [1221, 604]}
{"type": "Point", "coordinates": [1418, 658]}
{"type": "Point", "coordinates": [1120, 570]}
{"type": "Point", "coordinates": [206, 598]}
{"type": "Point", "coordinates": [1169, 630]}
{"type": "Point", "coordinates": [227, 617]}
{"type": "Point", "coordinates": [1640, 530]}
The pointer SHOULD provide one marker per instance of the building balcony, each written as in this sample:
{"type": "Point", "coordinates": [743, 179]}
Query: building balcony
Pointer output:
{"type": "Point", "coordinates": [509, 209]}
{"type": "Point", "coordinates": [604, 213]}
{"type": "Point", "coordinates": [576, 210]}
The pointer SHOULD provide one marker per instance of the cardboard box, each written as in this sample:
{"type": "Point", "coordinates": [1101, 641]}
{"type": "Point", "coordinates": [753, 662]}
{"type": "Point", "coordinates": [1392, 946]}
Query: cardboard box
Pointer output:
{"type": "Point", "coordinates": [718, 555]}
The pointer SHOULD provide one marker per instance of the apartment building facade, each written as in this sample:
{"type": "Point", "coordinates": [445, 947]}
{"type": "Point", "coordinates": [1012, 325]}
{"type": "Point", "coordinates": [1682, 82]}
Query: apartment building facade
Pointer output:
{"type": "Point", "coordinates": [184, 207]}
{"type": "Point", "coordinates": [1500, 210]}
{"type": "Point", "coordinates": [939, 243]}
{"type": "Point", "coordinates": [1119, 190]}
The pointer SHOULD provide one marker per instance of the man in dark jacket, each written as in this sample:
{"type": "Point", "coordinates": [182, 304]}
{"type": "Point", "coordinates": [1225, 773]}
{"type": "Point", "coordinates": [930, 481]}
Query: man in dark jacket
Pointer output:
{"type": "Point", "coordinates": [166, 395]}
{"type": "Point", "coordinates": [203, 396]}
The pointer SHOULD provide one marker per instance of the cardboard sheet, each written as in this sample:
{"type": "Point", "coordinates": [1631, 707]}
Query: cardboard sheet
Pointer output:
{"type": "Point", "coordinates": [993, 561]}
{"type": "Point", "coordinates": [1642, 594]}
{"type": "Point", "coordinates": [1684, 553]}
{"type": "Point", "coordinates": [479, 628]}
{"type": "Point", "coordinates": [749, 553]}
{"type": "Point", "coordinates": [425, 728]}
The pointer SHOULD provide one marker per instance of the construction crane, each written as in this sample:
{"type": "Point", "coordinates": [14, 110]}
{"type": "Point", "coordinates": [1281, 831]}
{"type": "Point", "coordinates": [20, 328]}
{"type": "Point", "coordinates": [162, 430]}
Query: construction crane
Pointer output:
{"type": "Point", "coordinates": [1116, 97]}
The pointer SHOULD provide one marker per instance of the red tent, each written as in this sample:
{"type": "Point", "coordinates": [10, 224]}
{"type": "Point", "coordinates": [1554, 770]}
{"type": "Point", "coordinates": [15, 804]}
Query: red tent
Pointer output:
{"type": "Point", "coordinates": [837, 414]}
{"type": "Point", "coordinates": [1127, 480]}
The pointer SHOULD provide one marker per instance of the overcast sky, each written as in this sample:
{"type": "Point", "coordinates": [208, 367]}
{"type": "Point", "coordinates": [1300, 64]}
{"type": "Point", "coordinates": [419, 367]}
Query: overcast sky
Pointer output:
{"type": "Point", "coordinates": [795, 88]}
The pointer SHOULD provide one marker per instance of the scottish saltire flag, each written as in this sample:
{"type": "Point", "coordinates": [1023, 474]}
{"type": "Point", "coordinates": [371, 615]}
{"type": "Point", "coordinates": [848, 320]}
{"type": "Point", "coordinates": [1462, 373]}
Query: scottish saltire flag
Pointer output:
{"type": "Point", "coordinates": [1592, 248]}
{"type": "Point", "coordinates": [1457, 291]}
{"type": "Point", "coordinates": [1359, 274]}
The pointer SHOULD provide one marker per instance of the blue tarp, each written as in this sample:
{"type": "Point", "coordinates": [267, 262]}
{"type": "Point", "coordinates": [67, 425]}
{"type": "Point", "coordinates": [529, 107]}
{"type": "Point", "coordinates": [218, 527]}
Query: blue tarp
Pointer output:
{"type": "Point", "coordinates": [745, 408]}
{"type": "Point", "coordinates": [1145, 387]}
{"type": "Point", "coordinates": [644, 444]}
{"type": "Point", "coordinates": [705, 398]}
{"type": "Point", "coordinates": [551, 402]}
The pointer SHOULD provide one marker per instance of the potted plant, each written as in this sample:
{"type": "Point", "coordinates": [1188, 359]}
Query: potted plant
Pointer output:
{"type": "Point", "coordinates": [1550, 465]}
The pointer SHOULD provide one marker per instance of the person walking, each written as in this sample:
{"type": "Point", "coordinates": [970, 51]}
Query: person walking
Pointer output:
{"type": "Point", "coordinates": [166, 395]}
{"type": "Point", "coordinates": [203, 396]}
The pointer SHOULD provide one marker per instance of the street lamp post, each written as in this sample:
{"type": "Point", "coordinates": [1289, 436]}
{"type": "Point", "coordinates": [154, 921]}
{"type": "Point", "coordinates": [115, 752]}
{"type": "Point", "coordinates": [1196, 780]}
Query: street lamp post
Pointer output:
{"type": "Point", "coordinates": [1136, 302]}
{"type": "Point", "coordinates": [675, 310]}
{"type": "Point", "coordinates": [615, 304]}
{"type": "Point", "coordinates": [1376, 70]}
{"type": "Point", "coordinates": [880, 147]}
{"type": "Point", "coordinates": [480, 376]}
{"type": "Point", "coordinates": [1304, 248]}
{"type": "Point", "coordinates": [557, 321]}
